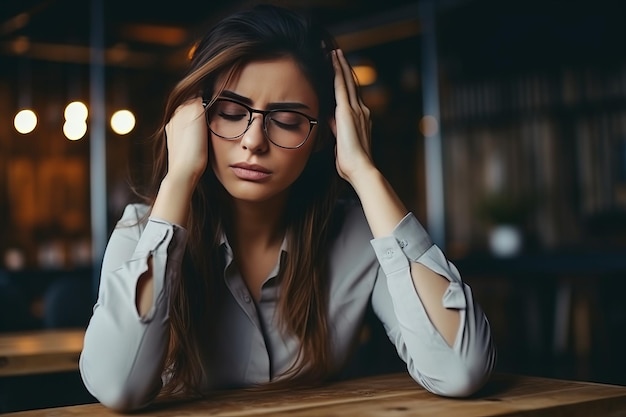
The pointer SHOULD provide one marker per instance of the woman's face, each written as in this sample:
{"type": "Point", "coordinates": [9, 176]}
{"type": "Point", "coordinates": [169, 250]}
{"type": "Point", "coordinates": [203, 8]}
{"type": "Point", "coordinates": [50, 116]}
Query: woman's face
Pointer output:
{"type": "Point", "coordinates": [251, 168]}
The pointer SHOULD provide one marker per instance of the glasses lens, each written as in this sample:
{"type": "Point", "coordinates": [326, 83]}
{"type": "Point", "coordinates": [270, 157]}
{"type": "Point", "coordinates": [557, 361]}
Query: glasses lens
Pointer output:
{"type": "Point", "coordinates": [228, 119]}
{"type": "Point", "coordinates": [288, 129]}
{"type": "Point", "coordinates": [285, 128]}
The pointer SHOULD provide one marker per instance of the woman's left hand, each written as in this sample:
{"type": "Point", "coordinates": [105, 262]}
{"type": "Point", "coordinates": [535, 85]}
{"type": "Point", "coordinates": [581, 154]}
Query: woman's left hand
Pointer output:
{"type": "Point", "coordinates": [352, 123]}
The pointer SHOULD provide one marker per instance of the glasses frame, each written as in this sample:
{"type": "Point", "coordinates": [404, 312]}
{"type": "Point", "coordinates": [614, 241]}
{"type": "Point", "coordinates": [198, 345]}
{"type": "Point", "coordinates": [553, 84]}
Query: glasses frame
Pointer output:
{"type": "Point", "coordinates": [265, 113]}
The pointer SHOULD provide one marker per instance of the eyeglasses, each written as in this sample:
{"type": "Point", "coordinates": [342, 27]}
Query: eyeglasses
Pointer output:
{"type": "Point", "coordinates": [230, 119]}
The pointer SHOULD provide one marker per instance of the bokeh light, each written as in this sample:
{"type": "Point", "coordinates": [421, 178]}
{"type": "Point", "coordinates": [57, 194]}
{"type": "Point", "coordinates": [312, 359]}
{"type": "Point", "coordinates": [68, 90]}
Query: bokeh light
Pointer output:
{"type": "Point", "coordinates": [428, 125]}
{"type": "Point", "coordinates": [365, 74]}
{"type": "Point", "coordinates": [122, 122]}
{"type": "Point", "coordinates": [74, 129]}
{"type": "Point", "coordinates": [25, 121]}
{"type": "Point", "coordinates": [76, 110]}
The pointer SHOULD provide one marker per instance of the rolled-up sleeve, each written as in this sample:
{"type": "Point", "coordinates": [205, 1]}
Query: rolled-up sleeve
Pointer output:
{"type": "Point", "coordinates": [457, 370]}
{"type": "Point", "coordinates": [122, 359]}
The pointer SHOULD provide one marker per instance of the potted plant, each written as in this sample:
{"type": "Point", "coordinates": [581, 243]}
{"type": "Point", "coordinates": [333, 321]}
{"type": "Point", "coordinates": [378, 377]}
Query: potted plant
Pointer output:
{"type": "Point", "coordinates": [505, 217]}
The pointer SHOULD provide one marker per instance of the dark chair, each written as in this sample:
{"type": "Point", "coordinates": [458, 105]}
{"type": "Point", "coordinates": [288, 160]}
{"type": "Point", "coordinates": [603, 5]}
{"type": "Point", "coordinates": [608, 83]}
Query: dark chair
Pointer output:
{"type": "Point", "coordinates": [14, 308]}
{"type": "Point", "coordinates": [68, 302]}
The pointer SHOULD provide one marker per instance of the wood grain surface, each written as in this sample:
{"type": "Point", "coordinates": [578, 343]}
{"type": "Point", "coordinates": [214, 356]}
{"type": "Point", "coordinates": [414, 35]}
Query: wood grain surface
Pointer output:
{"type": "Point", "coordinates": [394, 395]}
{"type": "Point", "coordinates": [36, 352]}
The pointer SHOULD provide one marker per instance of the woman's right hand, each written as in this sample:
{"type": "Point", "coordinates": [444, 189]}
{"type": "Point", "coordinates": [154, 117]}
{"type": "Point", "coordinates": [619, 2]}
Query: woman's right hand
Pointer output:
{"type": "Point", "coordinates": [187, 157]}
{"type": "Point", "coordinates": [187, 142]}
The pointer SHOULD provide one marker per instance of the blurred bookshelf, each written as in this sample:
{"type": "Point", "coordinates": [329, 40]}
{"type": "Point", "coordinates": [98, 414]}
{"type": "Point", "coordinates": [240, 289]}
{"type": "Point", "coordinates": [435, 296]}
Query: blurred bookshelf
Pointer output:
{"type": "Point", "coordinates": [533, 124]}
{"type": "Point", "coordinates": [556, 143]}
{"type": "Point", "coordinates": [540, 124]}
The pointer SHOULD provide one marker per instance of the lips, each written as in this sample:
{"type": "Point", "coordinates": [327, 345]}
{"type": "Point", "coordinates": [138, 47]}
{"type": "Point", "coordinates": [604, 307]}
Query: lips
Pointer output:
{"type": "Point", "coordinates": [250, 172]}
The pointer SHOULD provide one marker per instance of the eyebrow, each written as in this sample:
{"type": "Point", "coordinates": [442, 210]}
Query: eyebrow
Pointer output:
{"type": "Point", "coordinates": [271, 106]}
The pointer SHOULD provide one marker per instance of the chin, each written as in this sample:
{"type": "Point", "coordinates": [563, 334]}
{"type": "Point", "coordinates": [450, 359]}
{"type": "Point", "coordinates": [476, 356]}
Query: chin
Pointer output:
{"type": "Point", "coordinates": [254, 192]}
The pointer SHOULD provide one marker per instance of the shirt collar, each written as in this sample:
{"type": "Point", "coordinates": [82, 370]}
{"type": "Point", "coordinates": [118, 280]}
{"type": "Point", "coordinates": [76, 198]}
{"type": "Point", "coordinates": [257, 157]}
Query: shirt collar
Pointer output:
{"type": "Point", "coordinates": [229, 250]}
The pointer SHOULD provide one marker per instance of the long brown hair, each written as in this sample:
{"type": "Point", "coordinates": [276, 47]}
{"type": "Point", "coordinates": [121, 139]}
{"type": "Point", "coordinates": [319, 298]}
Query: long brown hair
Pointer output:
{"type": "Point", "coordinates": [259, 33]}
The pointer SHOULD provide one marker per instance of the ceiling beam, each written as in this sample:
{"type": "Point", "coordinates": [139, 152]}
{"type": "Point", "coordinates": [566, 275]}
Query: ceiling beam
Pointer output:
{"type": "Point", "coordinates": [393, 25]}
{"type": "Point", "coordinates": [115, 56]}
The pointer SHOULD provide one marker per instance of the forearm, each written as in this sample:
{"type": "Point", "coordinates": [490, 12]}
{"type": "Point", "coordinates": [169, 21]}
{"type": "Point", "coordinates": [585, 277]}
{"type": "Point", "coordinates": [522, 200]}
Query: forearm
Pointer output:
{"type": "Point", "coordinates": [173, 200]}
{"type": "Point", "coordinates": [172, 205]}
{"type": "Point", "coordinates": [384, 210]}
{"type": "Point", "coordinates": [122, 358]}
{"type": "Point", "coordinates": [454, 370]}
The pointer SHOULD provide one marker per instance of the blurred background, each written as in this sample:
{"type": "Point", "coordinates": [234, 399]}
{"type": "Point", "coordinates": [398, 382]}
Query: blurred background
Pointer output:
{"type": "Point", "coordinates": [502, 125]}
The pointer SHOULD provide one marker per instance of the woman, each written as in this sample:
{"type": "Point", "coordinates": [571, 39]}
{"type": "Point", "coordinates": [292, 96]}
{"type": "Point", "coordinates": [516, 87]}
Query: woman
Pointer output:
{"type": "Point", "coordinates": [244, 269]}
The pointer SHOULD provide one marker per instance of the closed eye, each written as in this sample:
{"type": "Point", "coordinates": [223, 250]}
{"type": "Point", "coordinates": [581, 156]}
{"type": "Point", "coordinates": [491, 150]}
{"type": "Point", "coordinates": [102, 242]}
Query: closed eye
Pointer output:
{"type": "Point", "coordinates": [286, 126]}
{"type": "Point", "coordinates": [232, 117]}
{"type": "Point", "coordinates": [288, 120]}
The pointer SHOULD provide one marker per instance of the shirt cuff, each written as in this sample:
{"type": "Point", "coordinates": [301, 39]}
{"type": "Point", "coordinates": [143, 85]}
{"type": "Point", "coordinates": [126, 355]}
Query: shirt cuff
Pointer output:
{"type": "Point", "coordinates": [408, 241]}
{"type": "Point", "coordinates": [159, 232]}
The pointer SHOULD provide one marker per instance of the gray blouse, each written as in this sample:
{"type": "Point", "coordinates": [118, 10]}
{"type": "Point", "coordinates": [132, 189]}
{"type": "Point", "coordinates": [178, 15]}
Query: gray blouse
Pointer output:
{"type": "Point", "coordinates": [122, 360]}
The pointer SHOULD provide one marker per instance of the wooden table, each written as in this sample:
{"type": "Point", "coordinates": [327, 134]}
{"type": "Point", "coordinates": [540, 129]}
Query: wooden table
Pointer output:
{"type": "Point", "coordinates": [390, 395]}
{"type": "Point", "coordinates": [42, 351]}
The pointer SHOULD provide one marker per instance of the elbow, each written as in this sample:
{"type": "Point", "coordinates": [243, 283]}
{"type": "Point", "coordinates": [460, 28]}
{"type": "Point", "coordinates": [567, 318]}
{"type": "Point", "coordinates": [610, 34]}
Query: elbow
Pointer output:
{"type": "Point", "coordinates": [471, 377]}
{"type": "Point", "coordinates": [118, 400]}
{"type": "Point", "coordinates": [117, 395]}
{"type": "Point", "coordinates": [472, 370]}
{"type": "Point", "coordinates": [462, 385]}
{"type": "Point", "coordinates": [463, 378]}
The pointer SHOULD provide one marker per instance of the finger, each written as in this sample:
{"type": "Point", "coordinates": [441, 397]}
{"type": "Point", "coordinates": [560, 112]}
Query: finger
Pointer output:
{"type": "Point", "coordinates": [360, 110]}
{"type": "Point", "coordinates": [349, 79]}
{"type": "Point", "coordinates": [341, 92]}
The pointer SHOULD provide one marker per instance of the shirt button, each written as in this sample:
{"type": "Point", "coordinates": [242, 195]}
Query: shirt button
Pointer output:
{"type": "Point", "coordinates": [389, 253]}
{"type": "Point", "coordinates": [246, 298]}
{"type": "Point", "coordinates": [403, 243]}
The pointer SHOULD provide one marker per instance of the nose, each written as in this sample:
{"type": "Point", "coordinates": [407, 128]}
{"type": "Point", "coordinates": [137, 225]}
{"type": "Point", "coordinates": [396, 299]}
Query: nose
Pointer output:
{"type": "Point", "coordinates": [254, 138]}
